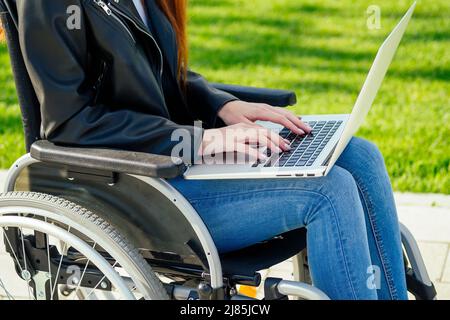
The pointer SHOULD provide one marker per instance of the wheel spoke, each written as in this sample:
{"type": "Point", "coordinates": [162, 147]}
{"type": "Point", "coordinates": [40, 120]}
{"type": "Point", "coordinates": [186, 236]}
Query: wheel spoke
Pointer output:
{"type": "Point", "coordinates": [27, 273]}
{"type": "Point", "coordinates": [22, 271]}
{"type": "Point", "coordinates": [12, 250]}
{"type": "Point", "coordinates": [49, 262]}
{"type": "Point", "coordinates": [98, 283]}
{"type": "Point", "coordinates": [82, 275]}
{"type": "Point", "coordinates": [2, 285]}
{"type": "Point", "coordinates": [59, 267]}
{"type": "Point", "coordinates": [77, 244]}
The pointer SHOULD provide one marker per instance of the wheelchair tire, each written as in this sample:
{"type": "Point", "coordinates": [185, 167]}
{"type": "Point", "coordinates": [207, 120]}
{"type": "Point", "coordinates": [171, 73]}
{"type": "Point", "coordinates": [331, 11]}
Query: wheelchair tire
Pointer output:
{"type": "Point", "coordinates": [83, 221]}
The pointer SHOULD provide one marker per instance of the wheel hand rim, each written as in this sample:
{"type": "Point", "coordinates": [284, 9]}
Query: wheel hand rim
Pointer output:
{"type": "Point", "coordinates": [76, 243]}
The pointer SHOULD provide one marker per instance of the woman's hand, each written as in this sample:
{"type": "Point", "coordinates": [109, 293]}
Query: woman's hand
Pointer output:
{"type": "Point", "coordinates": [245, 138]}
{"type": "Point", "coordinates": [245, 112]}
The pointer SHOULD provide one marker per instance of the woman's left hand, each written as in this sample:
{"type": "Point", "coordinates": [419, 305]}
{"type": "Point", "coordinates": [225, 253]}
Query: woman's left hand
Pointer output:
{"type": "Point", "coordinates": [238, 111]}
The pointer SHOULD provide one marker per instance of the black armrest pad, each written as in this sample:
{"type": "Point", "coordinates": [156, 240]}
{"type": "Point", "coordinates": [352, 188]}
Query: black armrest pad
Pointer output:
{"type": "Point", "coordinates": [138, 163]}
{"type": "Point", "coordinates": [277, 98]}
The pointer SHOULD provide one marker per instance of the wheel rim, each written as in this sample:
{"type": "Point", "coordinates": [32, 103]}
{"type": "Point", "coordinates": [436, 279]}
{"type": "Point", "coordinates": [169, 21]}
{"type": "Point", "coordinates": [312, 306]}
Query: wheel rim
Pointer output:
{"type": "Point", "coordinates": [71, 241]}
{"type": "Point", "coordinates": [50, 213]}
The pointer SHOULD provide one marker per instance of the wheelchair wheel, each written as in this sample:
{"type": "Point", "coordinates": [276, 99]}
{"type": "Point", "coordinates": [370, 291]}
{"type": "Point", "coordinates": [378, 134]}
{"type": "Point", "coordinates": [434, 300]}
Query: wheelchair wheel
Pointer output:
{"type": "Point", "coordinates": [54, 249]}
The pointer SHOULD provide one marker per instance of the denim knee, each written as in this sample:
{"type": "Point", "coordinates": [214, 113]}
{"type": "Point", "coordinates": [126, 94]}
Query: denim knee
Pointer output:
{"type": "Point", "coordinates": [339, 189]}
{"type": "Point", "coordinates": [340, 181]}
{"type": "Point", "coordinates": [366, 150]}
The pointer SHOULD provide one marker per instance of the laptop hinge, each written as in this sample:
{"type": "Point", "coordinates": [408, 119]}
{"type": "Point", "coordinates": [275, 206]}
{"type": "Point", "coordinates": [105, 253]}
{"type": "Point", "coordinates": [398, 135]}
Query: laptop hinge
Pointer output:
{"type": "Point", "coordinates": [327, 160]}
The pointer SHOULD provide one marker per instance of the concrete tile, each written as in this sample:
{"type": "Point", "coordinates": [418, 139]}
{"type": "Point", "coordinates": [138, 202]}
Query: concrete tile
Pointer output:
{"type": "Point", "coordinates": [422, 199]}
{"type": "Point", "coordinates": [443, 290]}
{"type": "Point", "coordinates": [426, 223]}
{"type": "Point", "coordinates": [446, 271]}
{"type": "Point", "coordinates": [434, 256]}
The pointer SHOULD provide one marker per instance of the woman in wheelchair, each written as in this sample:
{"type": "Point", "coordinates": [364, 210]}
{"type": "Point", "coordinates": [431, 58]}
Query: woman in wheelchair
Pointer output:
{"type": "Point", "coordinates": [114, 74]}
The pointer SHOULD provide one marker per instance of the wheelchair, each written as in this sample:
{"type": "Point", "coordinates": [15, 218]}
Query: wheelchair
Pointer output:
{"type": "Point", "coordinates": [88, 223]}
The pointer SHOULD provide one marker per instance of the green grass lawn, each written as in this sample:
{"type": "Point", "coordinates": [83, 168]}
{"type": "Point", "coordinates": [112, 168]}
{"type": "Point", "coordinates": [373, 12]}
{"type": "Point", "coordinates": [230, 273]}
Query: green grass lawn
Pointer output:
{"type": "Point", "coordinates": [322, 50]}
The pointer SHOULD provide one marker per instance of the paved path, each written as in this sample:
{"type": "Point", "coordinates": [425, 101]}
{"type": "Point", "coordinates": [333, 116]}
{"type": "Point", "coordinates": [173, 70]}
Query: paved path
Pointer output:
{"type": "Point", "coordinates": [428, 218]}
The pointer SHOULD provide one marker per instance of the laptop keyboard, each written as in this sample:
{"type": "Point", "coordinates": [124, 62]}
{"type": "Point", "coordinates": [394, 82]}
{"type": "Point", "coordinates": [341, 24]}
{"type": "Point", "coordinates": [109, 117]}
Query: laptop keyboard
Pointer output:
{"type": "Point", "coordinates": [305, 149]}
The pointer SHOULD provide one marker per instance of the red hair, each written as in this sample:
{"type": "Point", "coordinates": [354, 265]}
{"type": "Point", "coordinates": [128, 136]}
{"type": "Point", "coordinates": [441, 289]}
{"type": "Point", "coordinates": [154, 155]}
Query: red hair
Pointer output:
{"type": "Point", "coordinates": [176, 12]}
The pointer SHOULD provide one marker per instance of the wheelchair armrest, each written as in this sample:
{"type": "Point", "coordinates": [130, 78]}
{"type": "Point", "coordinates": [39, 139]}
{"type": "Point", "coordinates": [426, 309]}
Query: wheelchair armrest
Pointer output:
{"type": "Point", "coordinates": [277, 98]}
{"type": "Point", "coordinates": [138, 163]}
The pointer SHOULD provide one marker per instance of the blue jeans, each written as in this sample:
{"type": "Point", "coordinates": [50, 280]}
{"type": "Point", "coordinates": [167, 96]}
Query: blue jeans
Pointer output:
{"type": "Point", "coordinates": [354, 246]}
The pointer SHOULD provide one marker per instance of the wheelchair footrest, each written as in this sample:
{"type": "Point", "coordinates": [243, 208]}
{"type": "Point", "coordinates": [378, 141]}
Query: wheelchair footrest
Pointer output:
{"type": "Point", "coordinates": [279, 289]}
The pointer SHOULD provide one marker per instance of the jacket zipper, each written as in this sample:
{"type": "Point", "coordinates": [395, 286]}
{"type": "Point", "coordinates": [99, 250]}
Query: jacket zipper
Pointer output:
{"type": "Point", "coordinates": [108, 11]}
{"type": "Point", "coordinates": [109, 6]}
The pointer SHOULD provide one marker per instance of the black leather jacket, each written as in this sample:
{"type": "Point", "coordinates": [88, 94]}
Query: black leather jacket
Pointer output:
{"type": "Point", "coordinates": [107, 79]}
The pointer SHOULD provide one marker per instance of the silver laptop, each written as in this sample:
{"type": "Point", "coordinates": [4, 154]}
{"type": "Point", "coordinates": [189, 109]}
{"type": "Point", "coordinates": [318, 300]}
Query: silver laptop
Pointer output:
{"type": "Point", "coordinates": [315, 154]}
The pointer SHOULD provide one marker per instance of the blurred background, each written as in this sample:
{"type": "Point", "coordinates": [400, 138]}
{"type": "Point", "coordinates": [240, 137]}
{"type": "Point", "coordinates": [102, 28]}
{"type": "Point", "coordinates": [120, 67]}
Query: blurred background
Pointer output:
{"type": "Point", "coordinates": [323, 50]}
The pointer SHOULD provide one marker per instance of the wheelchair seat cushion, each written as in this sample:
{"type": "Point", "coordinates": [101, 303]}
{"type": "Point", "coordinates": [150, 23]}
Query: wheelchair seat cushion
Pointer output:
{"type": "Point", "coordinates": [264, 255]}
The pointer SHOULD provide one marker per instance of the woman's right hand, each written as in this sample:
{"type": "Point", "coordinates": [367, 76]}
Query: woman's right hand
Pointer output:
{"type": "Point", "coordinates": [246, 138]}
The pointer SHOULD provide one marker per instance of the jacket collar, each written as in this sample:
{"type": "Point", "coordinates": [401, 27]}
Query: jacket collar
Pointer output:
{"type": "Point", "coordinates": [160, 27]}
{"type": "Point", "coordinates": [128, 8]}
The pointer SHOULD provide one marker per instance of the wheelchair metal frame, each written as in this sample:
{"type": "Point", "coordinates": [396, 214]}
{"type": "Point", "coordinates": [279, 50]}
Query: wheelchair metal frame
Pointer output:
{"type": "Point", "coordinates": [274, 288]}
{"type": "Point", "coordinates": [278, 288]}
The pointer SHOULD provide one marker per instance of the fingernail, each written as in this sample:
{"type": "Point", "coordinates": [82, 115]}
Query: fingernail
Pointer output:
{"type": "Point", "coordinates": [287, 141]}
{"type": "Point", "coordinates": [277, 150]}
{"type": "Point", "coordinates": [288, 147]}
